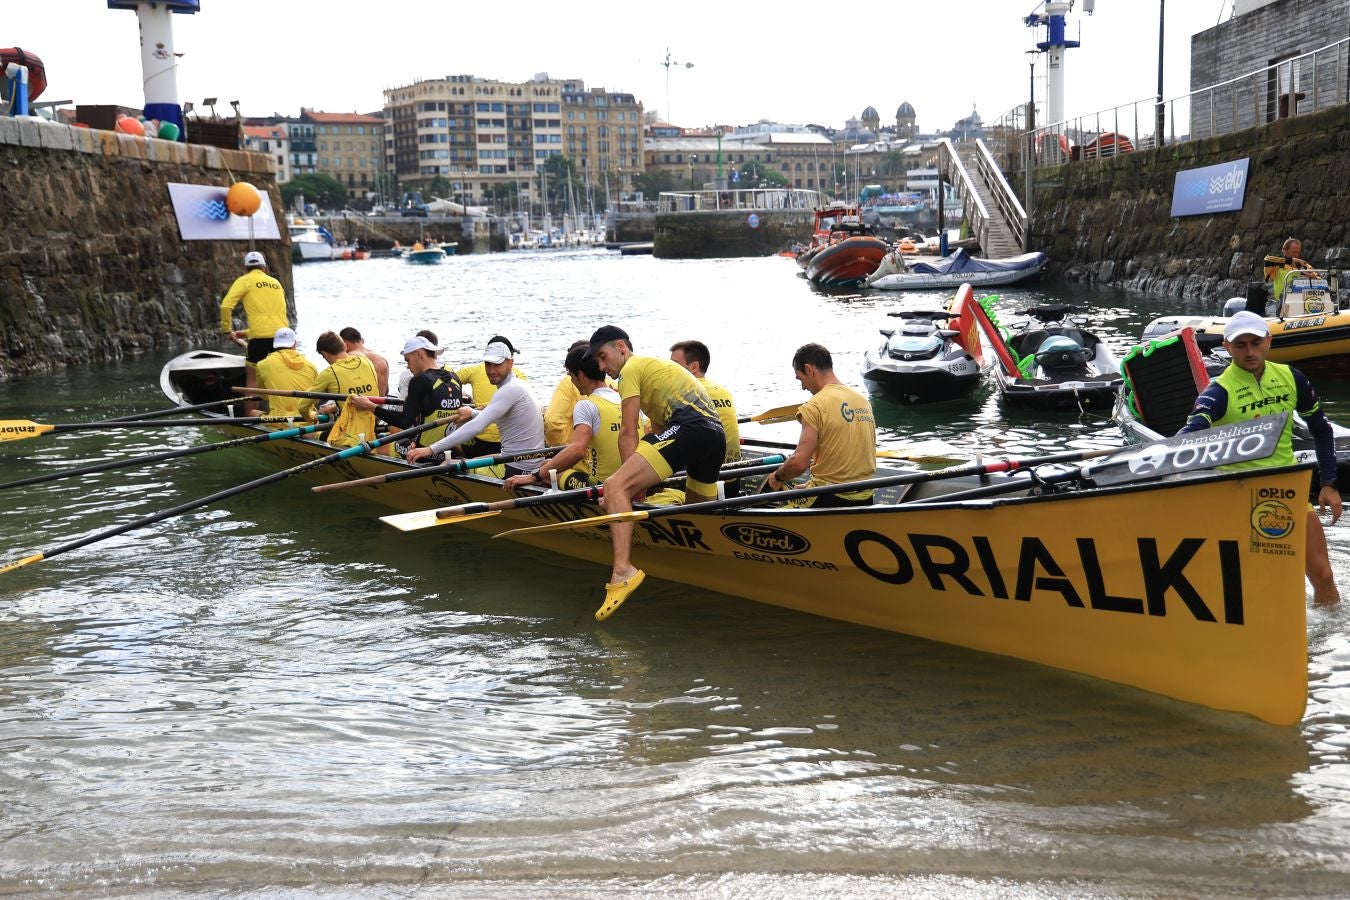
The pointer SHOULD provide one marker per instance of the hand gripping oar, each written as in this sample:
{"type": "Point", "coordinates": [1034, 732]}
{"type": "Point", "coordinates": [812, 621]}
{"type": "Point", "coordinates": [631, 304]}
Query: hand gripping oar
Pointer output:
{"type": "Point", "coordinates": [21, 429]}
{"type": "Point", "coordinates": [161, 413]}
{"type": "Point", "coordinates": [358, 450]}
{"type": "Point", "coordinates": [167, 454]}
{"type": "Point", "coordinates": [773, 416]}
{"type": "Point", "coordinates": [1254, 439]}
{"type": "Point", "coordinates": [311, 395]}
{"type": "Point", "coordinates": [453, 515]}
{"type": "Point", "coordinates": [450, 467]}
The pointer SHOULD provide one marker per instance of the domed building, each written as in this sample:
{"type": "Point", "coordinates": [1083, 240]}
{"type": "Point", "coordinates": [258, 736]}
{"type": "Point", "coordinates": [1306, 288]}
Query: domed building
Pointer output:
{"type": "Point", "coordinates": [969, 128]}
{"type": "Point", "coordinates": [871, 119]}
{"type": "Point", "coordinates": [905, 117]}
{"type": "Point", "coordinates": [854, 132]}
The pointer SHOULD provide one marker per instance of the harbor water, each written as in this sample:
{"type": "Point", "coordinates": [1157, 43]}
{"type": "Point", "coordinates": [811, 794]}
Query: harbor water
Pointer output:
{"type": "Point", "coordinates": [279, 695]}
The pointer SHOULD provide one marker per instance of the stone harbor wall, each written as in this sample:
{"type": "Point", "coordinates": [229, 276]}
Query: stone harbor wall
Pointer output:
{"type": "Point", "coordinates": [92, 267]}
{"type": "Point", "coordinates": [1109, 221]}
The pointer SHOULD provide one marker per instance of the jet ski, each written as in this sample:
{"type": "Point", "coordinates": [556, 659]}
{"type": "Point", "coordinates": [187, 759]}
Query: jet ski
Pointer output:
{"type": "Point", "coordinates": [1049, 360]}
{"type": "Point", "coordinates": [923, 361]}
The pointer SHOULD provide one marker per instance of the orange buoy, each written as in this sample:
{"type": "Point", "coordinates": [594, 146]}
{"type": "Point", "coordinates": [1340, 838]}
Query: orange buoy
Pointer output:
{"type": "Point", "coordinates": [128, 125]}
{"type": "Point", "coordinates": [243, 199]}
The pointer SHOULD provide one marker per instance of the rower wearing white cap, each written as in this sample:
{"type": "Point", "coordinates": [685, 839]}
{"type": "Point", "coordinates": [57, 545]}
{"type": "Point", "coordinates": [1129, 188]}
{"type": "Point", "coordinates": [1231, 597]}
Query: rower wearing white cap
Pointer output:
{"type": "Point", "coordinates": [480, 392]}
{"type": "Point", "coordinates": [285, 369]}
{"type": "Point", "coordinates": [433, 394]}
{"type": "Point", "coordinates": [1252, 387]}
{"type": "Point", "coordinates": [512, 408]}
{"type": "Point", "coordinates": [264, 302]}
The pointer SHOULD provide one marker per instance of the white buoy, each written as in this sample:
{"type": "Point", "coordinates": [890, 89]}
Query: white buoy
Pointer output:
{"type": "Point", "coordinates": [159, 63]}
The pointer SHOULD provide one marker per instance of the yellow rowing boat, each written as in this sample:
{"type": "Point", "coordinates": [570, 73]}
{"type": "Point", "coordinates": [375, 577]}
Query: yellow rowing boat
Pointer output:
{"type": "Point", "coordinates": [1190, 588]}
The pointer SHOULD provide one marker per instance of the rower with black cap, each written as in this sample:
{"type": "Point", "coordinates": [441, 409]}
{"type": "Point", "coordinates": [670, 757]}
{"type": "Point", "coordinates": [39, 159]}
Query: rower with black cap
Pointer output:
{"type": "Point", "coordinates": [1252, 387]}
{"type": "Point", "coordinates": [512, 408]}
{"type": "Point", "coordinates": [685, 434]}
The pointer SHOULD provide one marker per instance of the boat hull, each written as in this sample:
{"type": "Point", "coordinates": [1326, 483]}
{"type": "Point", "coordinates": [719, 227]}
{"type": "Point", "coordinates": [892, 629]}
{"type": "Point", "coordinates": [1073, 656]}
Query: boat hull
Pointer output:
{"type": "Point", "coordinates": [425, 257]}
{"type": "Point", "coordinates": [1292, 339]}
{"type": "Point", "coordinates": [847, 262]}
{"type": "Point", "coordinates": [1192, 589]}
{"type": "Point", "coordinates": [913, 281]}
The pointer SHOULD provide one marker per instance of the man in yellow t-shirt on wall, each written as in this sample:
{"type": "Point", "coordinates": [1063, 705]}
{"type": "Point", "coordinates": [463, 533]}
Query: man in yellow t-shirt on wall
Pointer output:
{"type": "Point", "coordinates": [839, 436]}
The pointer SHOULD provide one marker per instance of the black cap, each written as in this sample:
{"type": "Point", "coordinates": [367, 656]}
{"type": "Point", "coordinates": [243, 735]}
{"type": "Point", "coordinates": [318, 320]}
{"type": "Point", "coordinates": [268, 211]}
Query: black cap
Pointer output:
{"type": "Point", "coordinates": [603, 335]}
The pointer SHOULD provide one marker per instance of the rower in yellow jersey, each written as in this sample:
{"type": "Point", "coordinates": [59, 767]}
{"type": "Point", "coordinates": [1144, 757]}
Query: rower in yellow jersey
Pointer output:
{"type": "Point", "coordinates": [346, 374]}
{"type": "Point", "coordinates": [284, 369]}
{"type": "Point", "coordinates": [695, 357]}
{"type": "Point", "coordinates": [686, 434]}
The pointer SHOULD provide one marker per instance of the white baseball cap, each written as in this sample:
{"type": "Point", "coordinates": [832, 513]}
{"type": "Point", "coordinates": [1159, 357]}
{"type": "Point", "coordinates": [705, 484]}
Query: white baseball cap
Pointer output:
{"type": "Point", "coordinates": [496, 352]}
{"type": "Point", "coordinates": [284, 337]}
{"type": "Point", "coordinates": [413, 344]}
{"type": "Point", "coordinates": [1245, 322]}
{"type": "Point", "coordinates": [254, 258]}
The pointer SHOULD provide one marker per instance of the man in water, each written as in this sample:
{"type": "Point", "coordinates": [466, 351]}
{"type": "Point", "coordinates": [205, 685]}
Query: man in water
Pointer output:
{"type": "Point", "coordinates": [686, 434]}
{"type": "Point", "coordinates": [695, 357]}
{"type": "Point", "coordinates": [512, 408]}
{"type": "Point", "coordinates": [264, 302]}
{"type": "Point", "coordinates": [838, 442]}
{"type": "Point", "coordinates": [285, 369]}
{"type": "Point", "coordinates": [1252, 387]}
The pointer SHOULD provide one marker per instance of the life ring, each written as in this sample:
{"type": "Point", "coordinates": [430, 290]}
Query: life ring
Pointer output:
{"type": "Point", "coordinates": [37, 72]}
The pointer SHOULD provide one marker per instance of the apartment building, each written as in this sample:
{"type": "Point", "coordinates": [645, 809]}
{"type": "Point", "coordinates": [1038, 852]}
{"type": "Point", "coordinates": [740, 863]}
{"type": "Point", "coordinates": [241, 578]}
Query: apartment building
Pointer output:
{"type": "Point", "coordinates": [349, 147]}
{"type": "Point", "coordinates": [273, 140]}
{"type": "Point", "coordinates": [479, 134]}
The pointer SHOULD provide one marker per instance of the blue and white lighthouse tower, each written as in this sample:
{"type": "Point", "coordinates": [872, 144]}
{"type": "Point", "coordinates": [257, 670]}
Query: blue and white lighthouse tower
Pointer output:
{"type": "Point", "coordinates": [1054, 45]}
{"type": "Point", "coordinates": [158, 62]}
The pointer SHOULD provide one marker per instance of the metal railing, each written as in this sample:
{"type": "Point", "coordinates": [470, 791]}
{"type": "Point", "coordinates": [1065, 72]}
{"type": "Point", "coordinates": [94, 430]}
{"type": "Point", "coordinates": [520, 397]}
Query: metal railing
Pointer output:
{"type": "Point", "coordinates": [1308, 83]}
{"type": "Point", "coordinates": [1008, 205]}
{"type": "Point", "coordinates": [740, 198]}
{"type": "Point", "coordinates": [972, 207]}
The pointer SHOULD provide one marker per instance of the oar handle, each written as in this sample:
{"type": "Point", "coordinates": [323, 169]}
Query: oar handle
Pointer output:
{"type": "Point", "coordinates": [312, 395]}
{"type": "Point", "coordinates": [451, 467]}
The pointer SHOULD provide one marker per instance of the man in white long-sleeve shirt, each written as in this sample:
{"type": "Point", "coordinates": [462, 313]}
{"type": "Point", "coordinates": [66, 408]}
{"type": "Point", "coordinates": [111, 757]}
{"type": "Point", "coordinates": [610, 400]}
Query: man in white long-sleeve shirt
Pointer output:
{"type": "Point", "coordinates": [512, 409]}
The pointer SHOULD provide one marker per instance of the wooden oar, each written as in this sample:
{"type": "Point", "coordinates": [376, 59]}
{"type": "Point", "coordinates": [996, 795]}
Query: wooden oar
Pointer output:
{"type": "Point", "coordinates": [452, 515]}
{"type": "Point", "coordinates": [311, 395]}
{"type": "Point", "coordinates": [1241, 442]}
{"type": "Point", "coordinates": [358, 450]}
{"type": "Point", "coordinates": [933, 450]}
{"type": "Point", "coordinates": [773, 416]}
{"type": "Point", "coordinates": [167, 454]}
{"type": "Point", "coordinates": [450, 467]}
{"type": "Point", "coordinates": [22, 429]}
{"type": "Point", "coordinates": [161, 413]}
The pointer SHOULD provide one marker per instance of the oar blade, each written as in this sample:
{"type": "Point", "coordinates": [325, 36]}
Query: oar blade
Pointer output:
{"type": "Point", "coordinates": [931, 451]}
{"type": "Point", "coordinates": [571, 524]}
{"type": "Point", "coordinates": [27, 560]}
{"type": "Point", "coordinates": [1228, 444]}
{"type": "Point", "coordinates": [427, 518]}
{"type": "Point", "coordinates": [22, 429]}
{"type": "Point", "coordinates": [777, 415]}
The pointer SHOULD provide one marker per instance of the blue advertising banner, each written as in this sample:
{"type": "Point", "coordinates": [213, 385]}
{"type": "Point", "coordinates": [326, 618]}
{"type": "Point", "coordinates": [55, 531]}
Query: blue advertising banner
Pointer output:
{"type": "Point", "coordinates": [1213, 189]}
{"type": "Point", "coordinates": [202, 216]}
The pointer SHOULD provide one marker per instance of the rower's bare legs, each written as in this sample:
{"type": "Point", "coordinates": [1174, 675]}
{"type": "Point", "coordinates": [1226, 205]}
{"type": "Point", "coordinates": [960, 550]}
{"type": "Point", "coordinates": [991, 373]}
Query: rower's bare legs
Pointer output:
{"type": "Point", "coordinates": [251, 407]}
{"type": "Point", "coordinates": [631, 478]}
{"type": "Point", "coordinates": [1319, 564]}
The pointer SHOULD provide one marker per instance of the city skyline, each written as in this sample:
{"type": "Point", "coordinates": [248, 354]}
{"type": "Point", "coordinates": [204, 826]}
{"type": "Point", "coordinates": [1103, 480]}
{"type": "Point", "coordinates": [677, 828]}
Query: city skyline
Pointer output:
{"type": "Point", "coordinates": [740, 74]}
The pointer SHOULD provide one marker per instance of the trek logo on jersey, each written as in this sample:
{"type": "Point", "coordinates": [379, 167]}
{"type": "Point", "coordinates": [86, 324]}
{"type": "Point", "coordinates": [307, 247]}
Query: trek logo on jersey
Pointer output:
{"type": "Point", "coordinates": [1271, 400]}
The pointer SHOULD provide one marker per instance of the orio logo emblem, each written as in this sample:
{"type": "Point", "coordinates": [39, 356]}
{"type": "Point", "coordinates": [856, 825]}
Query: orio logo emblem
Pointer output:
{"type": "Point", "coordinates": [1272, 520]}
{"type": "Point", "coordinates": [766, 538]}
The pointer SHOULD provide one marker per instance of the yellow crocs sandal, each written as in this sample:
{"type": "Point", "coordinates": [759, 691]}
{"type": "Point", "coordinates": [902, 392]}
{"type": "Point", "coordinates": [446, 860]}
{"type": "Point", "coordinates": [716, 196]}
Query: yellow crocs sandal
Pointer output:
{"type": "Point", "coordinates": [618, 592]}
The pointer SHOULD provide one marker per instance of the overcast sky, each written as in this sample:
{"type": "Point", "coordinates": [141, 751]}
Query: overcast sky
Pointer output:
{"type": "Point", "coordinates": [751, 61]}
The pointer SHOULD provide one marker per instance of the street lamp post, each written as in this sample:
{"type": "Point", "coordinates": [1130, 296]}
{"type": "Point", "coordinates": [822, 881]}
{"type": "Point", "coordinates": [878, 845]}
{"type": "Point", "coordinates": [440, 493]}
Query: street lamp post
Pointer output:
{"type": "Point", "coordinates": [668, 63]}
{"type": "Point", "coordinates": [1031, 148]}
{"type": "Point", "coordinates": [1161, 113]}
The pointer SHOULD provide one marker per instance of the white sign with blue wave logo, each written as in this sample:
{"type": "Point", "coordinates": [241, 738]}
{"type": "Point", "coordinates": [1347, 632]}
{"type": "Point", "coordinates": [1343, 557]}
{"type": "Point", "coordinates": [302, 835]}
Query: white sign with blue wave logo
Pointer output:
{"type": "Point", "coordinates": [1213, 189]}
{"type": "Point", "coordinates": [202, 216]}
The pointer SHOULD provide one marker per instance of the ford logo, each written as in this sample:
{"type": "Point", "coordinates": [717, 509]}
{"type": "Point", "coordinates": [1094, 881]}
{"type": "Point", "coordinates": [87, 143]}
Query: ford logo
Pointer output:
{"type": "Point", "coordinates": [766, 538]}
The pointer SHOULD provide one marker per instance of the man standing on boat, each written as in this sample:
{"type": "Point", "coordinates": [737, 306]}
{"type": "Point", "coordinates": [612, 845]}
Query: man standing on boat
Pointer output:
{"type": "Point", "coordinates": [592, 452]}
{"type": "Point", "coordinates": [695, 357]}
{"type": "Point", "coordinates": [685, 434]}
{"type": "Point", "coordinates": [264, 302]}
{"type": "Point", "coordinates": [433, 394]}
{"type": "Point", "coordinates": [1290, 264]}
{"type": "Point", "coordinates": [512, 408]}
{"type": "Point", "coordinates": [838, 442]}
{"type": "Point", "coordinates": [285, 369]}
{"type": "Point", "coordinates": [1252, 387]}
